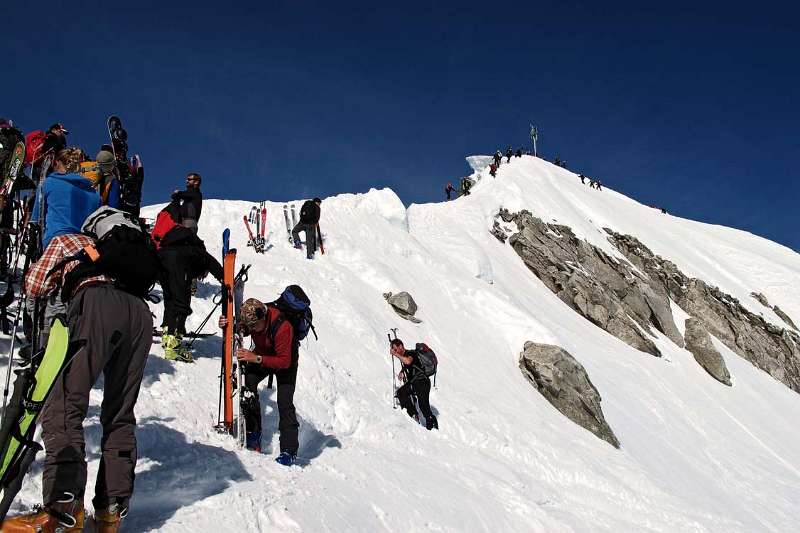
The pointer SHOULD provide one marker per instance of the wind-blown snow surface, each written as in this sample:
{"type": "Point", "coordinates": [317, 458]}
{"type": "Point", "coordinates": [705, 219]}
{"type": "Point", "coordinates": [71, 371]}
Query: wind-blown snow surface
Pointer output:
{"type": "Point", "coordinates": [695, 455]}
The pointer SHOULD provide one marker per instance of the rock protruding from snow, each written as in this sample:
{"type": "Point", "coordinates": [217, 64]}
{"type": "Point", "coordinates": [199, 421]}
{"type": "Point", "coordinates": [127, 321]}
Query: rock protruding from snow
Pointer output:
{"type": "Point", "coordinates": [610, 293]}
{"type": "Point", "coordinates": [563, 381]}
{"type": "Point", "coordinates": [784, 317]}
{"type": "Point", "coordinates": [698, 341]}
{"type": "Point", "coordinates": [771, 348]}
{"type": "Point", "coordinates": [404, 305]}
{"type": "Point", "coordinates": [777, 310]}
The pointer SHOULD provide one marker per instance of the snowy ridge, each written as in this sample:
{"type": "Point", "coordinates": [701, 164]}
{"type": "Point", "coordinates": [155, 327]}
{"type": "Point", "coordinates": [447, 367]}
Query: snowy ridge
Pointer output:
{"type": "Point", "coordinates": [695, 455]}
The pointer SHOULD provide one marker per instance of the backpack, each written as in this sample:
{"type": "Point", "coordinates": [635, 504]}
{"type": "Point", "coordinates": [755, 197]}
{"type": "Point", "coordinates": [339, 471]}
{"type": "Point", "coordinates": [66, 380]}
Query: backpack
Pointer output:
{"type": "Point", "coordinates": [9, 137]}
{"type": "Point", "coordinates": [427, 359]}
{"type": "Point", "coordinates": [34, 142]}
{"type": "Point", "coordinates": [164, 223]}
{"type": "Point", "coordinates": [295, 307]}
{"type": "Point", "coordinates": [122, 251]}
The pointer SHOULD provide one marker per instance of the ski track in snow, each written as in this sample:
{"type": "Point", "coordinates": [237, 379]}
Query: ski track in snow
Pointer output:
{"type": "Point", "coordinates": [695, 456]}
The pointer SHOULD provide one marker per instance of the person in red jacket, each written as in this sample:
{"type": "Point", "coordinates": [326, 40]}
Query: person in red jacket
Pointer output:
{"type": "Point", "coordinates": [275, 353]}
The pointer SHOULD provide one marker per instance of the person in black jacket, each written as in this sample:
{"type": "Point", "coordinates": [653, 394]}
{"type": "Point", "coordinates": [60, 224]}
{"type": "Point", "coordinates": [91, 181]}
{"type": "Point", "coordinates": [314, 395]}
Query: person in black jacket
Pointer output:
{"type": "Point", "coordinates": [416, 384]}
{"type": "Point", "coordinates": [184, 258]}
{"type": "Point", "coordinates": [191, 202]}
{"type": "Point", "coordinates": [309, 218]}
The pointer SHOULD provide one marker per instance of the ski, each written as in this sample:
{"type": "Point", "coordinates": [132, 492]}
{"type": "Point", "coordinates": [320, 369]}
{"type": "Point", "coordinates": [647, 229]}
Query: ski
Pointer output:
{"type": "Point", "coordinates": [238, 298]}
{"type": "Point", "coordinates": [226, 242]}
{"type": "Point", "coordinates": [288, 224]}
{"type": "Point", "coordinates": [226, 378]}
{"type": "Point", "coordinates": [294, 216]}
{"type": "Point", "coordinates": [31, 389]}
{"type": "Point", "coordinates": [131, 176]}
{"type": "Point", "coordinates": [253, 240]}
{"type": "Point", "coordinates": [263, 230]}
{"type": "Point", "coordinates": [189, 335]}
{"type": "Point", "coordinates": [14, 165]}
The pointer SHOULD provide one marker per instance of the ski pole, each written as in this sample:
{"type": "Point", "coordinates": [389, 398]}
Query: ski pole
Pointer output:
{"type": "Point", "coordinates": [394, 376]}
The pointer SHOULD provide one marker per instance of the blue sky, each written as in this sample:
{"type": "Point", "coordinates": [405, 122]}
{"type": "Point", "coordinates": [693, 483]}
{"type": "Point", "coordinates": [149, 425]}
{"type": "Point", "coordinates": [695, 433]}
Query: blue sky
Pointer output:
{"type": "Point", "coordinates": [693, 108]}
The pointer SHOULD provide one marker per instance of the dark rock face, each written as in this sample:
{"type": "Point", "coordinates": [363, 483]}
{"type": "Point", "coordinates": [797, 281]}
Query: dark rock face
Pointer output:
{"type": "Point", "coordinates": [784, 317]}
{"type": "Point", "coordinates": [771, 348]}
{"type": "Point", "coordinates": [630, 298]}
{"type": "Point", "coordinates": [610, 293]}
{"type": "Point", "coordinates": [698, 341]}
{"type": "Point", "coordinates": [564, 383]}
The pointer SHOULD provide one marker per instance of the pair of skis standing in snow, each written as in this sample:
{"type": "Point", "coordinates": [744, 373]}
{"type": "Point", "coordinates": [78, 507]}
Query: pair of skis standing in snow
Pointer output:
{"type": "Point", "coordinates": [309, 223]}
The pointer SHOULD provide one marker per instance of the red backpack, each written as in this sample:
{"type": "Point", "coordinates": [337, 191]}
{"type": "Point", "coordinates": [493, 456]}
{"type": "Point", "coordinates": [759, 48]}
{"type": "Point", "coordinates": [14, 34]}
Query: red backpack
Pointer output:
{"type": "Point", "coordinates": [163, 225]}
{"type": "Point", "coordinates": [34, 141]}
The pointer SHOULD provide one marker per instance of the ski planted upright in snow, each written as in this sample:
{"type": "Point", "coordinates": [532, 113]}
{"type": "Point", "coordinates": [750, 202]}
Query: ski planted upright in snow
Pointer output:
{"type": "Point", "coordinates": [288, 224]}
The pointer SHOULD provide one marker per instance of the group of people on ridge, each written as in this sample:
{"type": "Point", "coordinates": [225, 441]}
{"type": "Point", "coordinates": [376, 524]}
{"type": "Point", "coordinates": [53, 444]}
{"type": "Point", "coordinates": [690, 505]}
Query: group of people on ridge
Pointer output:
{"type": "Point", "coordinates": [114, 326]}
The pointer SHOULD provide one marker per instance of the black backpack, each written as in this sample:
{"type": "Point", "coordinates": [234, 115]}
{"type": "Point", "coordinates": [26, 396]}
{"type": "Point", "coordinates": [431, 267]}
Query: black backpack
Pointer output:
{"type": "Point", "coordinates": [123, 251]}
{"type": "Point", "coordinates": [427, 359]}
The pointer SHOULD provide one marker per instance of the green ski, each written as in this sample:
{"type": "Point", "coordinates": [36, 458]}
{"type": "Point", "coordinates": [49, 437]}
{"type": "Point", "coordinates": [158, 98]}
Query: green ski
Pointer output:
{"type": "Point", "coordinates": [31, 389]}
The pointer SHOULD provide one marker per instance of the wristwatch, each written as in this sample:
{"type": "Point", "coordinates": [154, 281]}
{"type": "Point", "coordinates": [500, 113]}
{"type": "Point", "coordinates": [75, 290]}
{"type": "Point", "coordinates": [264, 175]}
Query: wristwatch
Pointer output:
{"type": "Point", "coordinates": [258, 359]}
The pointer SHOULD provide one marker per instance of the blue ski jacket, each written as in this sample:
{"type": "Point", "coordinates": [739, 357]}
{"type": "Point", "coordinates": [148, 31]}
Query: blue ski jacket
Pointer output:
{"type": "Point", "coordinates": [68, 200]}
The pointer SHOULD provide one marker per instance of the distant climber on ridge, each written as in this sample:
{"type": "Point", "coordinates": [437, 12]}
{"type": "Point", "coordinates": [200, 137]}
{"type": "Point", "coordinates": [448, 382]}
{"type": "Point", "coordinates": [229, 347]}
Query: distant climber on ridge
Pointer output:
{"type": "Point", "coordinates": [309, 218]}
{"type": "Point", "coordinates": [449, 190]}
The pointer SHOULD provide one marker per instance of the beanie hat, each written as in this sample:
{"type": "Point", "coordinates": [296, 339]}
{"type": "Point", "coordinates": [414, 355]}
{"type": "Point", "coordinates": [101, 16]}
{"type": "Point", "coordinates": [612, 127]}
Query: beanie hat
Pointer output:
{"type": "Point", "coordinates": [252, 311]}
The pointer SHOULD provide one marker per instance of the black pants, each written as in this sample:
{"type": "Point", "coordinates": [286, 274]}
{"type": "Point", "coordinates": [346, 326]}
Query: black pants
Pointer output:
{"type": "Point", "coordinates": [421, 388]}
{"type": "Point", "coordinates": [176, 284]}
{"type": "Point", "coordinates": [117, 328]}
{"type": "Point", "coordinates": [311, 237]}
{"type": "Point", "coordinates": [287, 424]}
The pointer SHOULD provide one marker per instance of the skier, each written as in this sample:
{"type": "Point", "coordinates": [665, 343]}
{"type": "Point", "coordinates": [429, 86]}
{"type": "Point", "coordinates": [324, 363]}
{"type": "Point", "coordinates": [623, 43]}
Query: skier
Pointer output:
{"type": "Point", "coordinates": [309, 218]}
{"type": "Point", "coordinates": [56, 138]}
{"type": "Point", "coordinates": [598, 185]}
{"type": "Point", "coordinates": [583, 178]}
{"type": "Point", "coordinates": [509, 153]}
{"type": "Point", "coordinates": [493, 169]}
{"type": "Point", "coordinates": [466, 184]}
{"type": "Point", "coordinates": [191, 201]}
{"type": "Point", "coordinates": [276, 333]}
{"type": "Point", "coordinates": [498, 158]}
{"type": "Point", "coordinates": [68, 197]}
{"type": "Point", "coordinates": [519, 152]}
{"type": "Point", "coordinates": [449, 190]}
{"type": "Point", "coordinates": [184, 259]}
{"type": "Point", "coordinates": [115, 327]}
{"type": "Point", "coordinates": [557, 161]}
{"type": "Point", "coordinates": [417, 384]}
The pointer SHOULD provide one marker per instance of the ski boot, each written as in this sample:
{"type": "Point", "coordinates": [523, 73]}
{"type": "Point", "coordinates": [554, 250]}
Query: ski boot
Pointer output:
{"type": "Point", "coordinates": [108, 520]}
{"type": "Point", "coordinates": [253, 442]}
{"type": "Point", "coordinates": [174, 349]}
{"type": "Point", "coordinates": [286, 459]}
{"type": "Point", "coordinates": [431, 423]}
{"type": "Point", "coordinates": [66, 515]}
{"type": "Point", "coordinates": [298, 245]}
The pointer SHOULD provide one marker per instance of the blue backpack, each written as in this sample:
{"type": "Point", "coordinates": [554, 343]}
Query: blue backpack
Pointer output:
{"type": "Point", "coordinates": [295, 307]}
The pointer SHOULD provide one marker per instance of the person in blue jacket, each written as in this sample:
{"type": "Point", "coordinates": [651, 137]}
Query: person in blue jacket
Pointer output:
{"type": "Point", "coordinates": [68, 197]}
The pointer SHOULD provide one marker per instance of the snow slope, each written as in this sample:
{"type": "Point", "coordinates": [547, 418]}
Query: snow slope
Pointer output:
{"type": "Point", "coordinates": [695, 455]}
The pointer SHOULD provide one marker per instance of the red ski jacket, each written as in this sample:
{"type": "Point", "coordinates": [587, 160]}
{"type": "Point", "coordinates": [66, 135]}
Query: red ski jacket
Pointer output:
{"type": "Point", "coordinates": [276, 352]}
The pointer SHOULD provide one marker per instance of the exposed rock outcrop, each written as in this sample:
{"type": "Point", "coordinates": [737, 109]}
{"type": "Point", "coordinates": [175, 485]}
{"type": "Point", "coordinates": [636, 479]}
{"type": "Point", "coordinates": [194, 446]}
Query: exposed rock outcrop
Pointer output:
{"type": "Point", "coordinates": [784, 317]}
{"type": "Point", "coordinates": [610, 293]}
{"type": "Point", "coordinates": [698, 341]}
{"type": "Point", "coordinates": [404, 305]}
{"type": "Point", "coordinates": [564, 383]}
{"type": "Point", "coordinates": [771, 348]}
{"type": "Point", "coordinates": [630, 299]}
